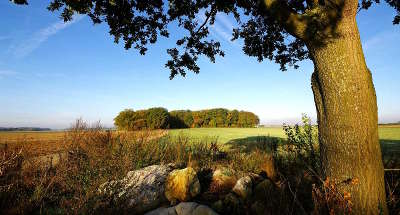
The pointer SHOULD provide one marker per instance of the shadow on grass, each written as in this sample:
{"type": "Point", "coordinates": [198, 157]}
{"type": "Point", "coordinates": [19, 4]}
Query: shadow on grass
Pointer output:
{"type": "Point", "coordinates": [390, 153]}
{"type": "Point", "coordinates": [390, 148]}
{"type": "Point", "coordinates": [249, 144]}
{"type": "Point", "coordinates": [391, 145]}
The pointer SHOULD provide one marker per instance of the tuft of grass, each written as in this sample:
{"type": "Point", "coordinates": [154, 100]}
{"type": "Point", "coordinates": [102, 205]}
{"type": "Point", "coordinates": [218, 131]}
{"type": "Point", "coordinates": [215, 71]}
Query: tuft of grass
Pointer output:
{"type": "Point", "coordinates": [63, 177]}
{"type": "Point", "coordinates": [92, 156]}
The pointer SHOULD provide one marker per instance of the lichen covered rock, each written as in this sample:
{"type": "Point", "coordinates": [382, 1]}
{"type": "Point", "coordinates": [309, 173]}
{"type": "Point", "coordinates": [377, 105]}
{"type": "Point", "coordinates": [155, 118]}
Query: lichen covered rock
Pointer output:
{"type": "Point", "coordinates": [243, 187]}
{"type": "Point", "coordinates": [182, 185]}
{"type": "Point", "coordinates": [141, 190]}
{"type": "Point", "coordinates": [184, 208]}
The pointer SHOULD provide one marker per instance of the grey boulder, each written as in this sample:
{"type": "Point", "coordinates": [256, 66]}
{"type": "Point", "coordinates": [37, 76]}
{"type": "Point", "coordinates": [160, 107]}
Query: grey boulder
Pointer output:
{"type": "Point", "coordinates": [243, 187]}
{"type": "Point", "coordinates": [141, 190]}
{"type": "Point", "coordinates": [184, 208]}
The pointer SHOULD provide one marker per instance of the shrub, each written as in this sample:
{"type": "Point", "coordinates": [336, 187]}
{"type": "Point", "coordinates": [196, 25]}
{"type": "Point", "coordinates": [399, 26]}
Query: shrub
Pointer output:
{"type": "Point", "coordinates": [303, 145]}
{"type": "Point", "coordinates": [153, 118]}
{"type": "Point", "coordinates": [93, 156]}
{"type": "Point", "coordinates": [181, 119]}
{"type": "Point", "coordinates": [297, 161]}
{"type": "Point", "coordinates": [124, 119]}
{"type": "Point", "coordinates": [157, 118]}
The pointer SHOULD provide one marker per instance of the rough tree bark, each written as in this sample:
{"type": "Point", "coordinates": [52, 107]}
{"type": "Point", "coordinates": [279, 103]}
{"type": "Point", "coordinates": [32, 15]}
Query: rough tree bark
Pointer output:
{"type": "Point", "coordinates": [347, 122]}
{"type": "Point", "coordinates": [345, 100]}
{"type": "Point", "coordinates": [347, 118]}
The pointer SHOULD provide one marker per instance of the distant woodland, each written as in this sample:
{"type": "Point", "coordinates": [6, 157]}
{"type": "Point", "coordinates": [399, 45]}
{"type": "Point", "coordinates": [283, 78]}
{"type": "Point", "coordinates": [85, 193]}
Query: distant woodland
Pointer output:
{"type": "Point", "coordinates": [24, 129]}
{"type": "Point", "coordinates": [160, 118]}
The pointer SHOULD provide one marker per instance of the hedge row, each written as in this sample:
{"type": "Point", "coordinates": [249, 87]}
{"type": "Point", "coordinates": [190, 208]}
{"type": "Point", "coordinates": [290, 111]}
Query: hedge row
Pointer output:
{"type": "Point", "coordinates": [160, 118]}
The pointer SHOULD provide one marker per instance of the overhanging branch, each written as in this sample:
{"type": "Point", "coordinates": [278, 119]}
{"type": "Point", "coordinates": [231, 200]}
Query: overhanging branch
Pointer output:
{"type": "Point", "coordinates": [211, 13]}
{"type": "Point", "coordinates": [293, 22]}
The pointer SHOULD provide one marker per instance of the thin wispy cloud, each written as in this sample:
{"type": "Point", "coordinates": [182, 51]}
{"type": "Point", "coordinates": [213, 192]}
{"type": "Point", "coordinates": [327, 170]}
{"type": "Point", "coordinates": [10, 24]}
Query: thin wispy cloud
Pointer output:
{"type": "Point", "coordinates": [28, 46]}
{"type": "Point", "coordinates": [216, 29]}
{"type": "Point", "coordinates": [380, 40]}
{"type": "Point", "coordinates": [222, 27]}
{"type": "Point", "coordinates": [7, 73]}
{"type": "Point", "coordinates": [224, 20]}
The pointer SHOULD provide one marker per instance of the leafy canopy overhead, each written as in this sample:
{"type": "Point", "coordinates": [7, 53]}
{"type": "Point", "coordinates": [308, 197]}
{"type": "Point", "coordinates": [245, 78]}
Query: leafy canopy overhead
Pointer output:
{"type": "Point", "coordinates": [277, 30]}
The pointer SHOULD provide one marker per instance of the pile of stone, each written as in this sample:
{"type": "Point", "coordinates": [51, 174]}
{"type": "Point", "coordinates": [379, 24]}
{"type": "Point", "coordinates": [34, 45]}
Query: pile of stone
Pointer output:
{"type": "Point", "coordinates": [166, 189]}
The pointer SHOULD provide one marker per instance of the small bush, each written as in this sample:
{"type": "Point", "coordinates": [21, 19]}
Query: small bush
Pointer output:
{"type": "Point", "coordinates": [92, 156]}
{"type": "Point", "coordinates": [302, 146]}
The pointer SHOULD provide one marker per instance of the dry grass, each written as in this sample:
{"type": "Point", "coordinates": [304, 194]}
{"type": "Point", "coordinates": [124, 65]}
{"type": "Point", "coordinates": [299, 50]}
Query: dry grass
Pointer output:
{"type": "Point", "coordinates": [44, 143]}
{"type": "Point", "coordinates": [90, 156]}
{"type": "Point", "coordinates": [36, 143]}
{"type": "Point", "coordinates": [28, 136]}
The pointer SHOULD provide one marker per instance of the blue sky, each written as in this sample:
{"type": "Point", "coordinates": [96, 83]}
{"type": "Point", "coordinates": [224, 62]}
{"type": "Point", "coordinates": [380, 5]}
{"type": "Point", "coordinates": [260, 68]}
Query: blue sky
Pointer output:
{"type": "Point", "coordinates": [52, 73]}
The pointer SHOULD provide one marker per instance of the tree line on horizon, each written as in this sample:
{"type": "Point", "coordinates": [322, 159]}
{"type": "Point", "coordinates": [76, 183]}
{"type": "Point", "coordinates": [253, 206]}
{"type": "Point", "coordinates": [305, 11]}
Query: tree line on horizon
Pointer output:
{"type": "Point", "coordinates": [160, 118]}
{"type": "Point", "coordinates": [24, 129]}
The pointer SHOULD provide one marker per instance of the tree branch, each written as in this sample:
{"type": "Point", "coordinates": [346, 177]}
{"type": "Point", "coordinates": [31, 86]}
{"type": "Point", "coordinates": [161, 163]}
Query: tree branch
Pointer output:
{"type": "Point", "coordinates": [293, 22]}
{"type": "Point", "coordinates": [347, 8]}
{"type": "Point", "coordinates": [312, 3]}
{"type": "Point", "coordinates": [212, 13]}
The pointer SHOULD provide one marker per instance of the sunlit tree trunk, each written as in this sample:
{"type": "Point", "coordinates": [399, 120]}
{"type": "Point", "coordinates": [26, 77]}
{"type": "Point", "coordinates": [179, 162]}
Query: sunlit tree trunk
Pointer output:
{"type": "Point", "coordinates": [347, 118]}
{"type": "Point", "coordinates": [344, 96]}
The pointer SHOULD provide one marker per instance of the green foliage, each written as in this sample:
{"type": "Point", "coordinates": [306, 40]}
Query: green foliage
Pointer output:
{"type": "Point", "coordinates": [220, 117]}
{"type": "Point", "coordinates": [303, 145]}
{"type": "Point", "coordinates": [181, 119]}
{"type": "Point", "coordinates": [153, 118]}
{"type": "Point", "coordinates": [232, 118]}
{"type": "Point", "coordinates": [264, 30]}
{"type": "Point", "coordinates": [159, 118]}
{"type": "Point", "coordinates": [188, 119]}
{"type": "Point", "coordinates": [94, 156]}
{"type": "Point", "coordinates": [247, 119]}
{"type": "Point", "coordinates": [124, 119]}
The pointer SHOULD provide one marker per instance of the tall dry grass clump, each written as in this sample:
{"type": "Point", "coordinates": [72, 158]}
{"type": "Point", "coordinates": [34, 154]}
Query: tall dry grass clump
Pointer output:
{"type": "Point", "coordinates": [66, 180]}
{"type": "Point", "coordinates": [90, 156]}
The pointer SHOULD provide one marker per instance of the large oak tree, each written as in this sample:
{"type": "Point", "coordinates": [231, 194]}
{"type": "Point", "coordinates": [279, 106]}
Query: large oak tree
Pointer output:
{"type": "Point", "coordinates": [285, 31]}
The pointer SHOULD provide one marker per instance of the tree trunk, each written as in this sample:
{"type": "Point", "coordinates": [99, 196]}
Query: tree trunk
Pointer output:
{"type": "Point", "coordinates": [347, 119]}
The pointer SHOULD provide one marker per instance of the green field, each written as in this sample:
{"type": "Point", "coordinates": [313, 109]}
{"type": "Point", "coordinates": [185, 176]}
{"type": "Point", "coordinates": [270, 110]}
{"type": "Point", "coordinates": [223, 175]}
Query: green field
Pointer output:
{"type": "Point", "coordinates": [224, 135]}
{"type": "Point", "coordinates": [230, 138]}
{"type": "Point", "coordinates": [389, 133]}
{"type": "Point", "coordinates": [389, 136]}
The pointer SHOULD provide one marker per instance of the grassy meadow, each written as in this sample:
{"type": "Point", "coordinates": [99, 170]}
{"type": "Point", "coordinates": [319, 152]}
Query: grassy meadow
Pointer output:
{"type": "Point", "coordinates": [43, 142]}
{"type": "Point", "coordinates": [229, 138]}
{"type": "Point", "coordinates": [60, 172]}
{"type": "Point", "coordinates": [389, 133]}
{"type": "Point", "coordinates": [224, 135]}
{"type": "Point", "coordinates": [50, 142]}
